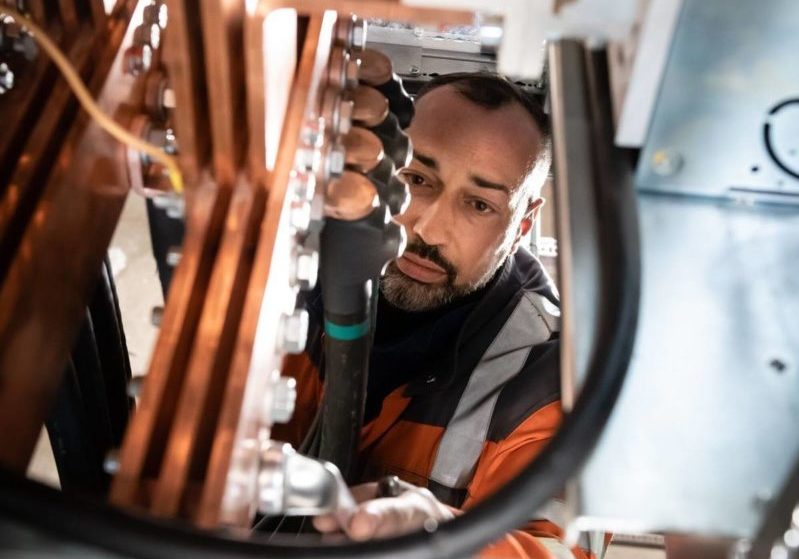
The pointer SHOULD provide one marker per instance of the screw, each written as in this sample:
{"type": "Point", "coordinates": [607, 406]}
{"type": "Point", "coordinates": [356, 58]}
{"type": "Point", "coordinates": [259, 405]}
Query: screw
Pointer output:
{"type": "Point", "coordinates": [156, 13]}
{"type": "Point", "coordinates": [173, 255]}
{"type": "Point", "coordinates": [156, 315]}
{"type": "Point", "coordinates": [294, 331]}
{"type": "Point", "coordinates": [302, 185]}
{"type": "Point", "coordinates": [168, 99]}
{"type": "Point", "coordinates": [345, 109]}
{"type": "Point", "coordinates": [312, 133]}
{"type": "Point", "coordinates": [300, 216]}
{"type": "Point", "coordinates": [135, 385]}
{"type": "Point", "coordinates": [6, 78]}
{"type": "Point", "coordinates": [415, 71]}
{"type": "Point", "coordinates": [304, 268]}
{"type": "Point", "coordinates": [778, 365]}
{"type": "Point", "coordinates": [351, 73]}
{"type": "Point", "coordinates": [358, 34]}
{"type": "Point", "coordinates": [111, 462]}
{"type": "Point", "coordinates": [137, 60]}
{"type": "Point", "coordinates": [335, 161]}
{"type": "Point", "coordinates": [148, 34]}
{"type": "Point", "coordinates": [666, 162]}
{"type": "Point", "coordinates": [283, 399]}
{"type": "Point", "coordinates": [307, 159]}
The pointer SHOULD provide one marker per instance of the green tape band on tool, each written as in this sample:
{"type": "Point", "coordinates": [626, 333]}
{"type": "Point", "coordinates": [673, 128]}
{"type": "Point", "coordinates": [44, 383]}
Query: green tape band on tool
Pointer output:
{"type": "Point", "coordinates": [346, 333]}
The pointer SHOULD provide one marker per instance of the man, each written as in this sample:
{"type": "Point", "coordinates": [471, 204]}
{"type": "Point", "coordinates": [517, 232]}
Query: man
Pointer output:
{"type": "Point", "coordinates": [464, 377]}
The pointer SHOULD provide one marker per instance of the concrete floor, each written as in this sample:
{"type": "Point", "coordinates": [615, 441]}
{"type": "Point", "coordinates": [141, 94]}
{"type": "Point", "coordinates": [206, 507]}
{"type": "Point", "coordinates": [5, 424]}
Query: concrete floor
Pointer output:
{"type": "Point", "coordinates": [139, 291]}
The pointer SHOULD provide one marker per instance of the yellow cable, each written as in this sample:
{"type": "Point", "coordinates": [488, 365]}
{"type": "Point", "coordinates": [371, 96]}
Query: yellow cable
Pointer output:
{"type": "Point", "coordinates": [85, 98]}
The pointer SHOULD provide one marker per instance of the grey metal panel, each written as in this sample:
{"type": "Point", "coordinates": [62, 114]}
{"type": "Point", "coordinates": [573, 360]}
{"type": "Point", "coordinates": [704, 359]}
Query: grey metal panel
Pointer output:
{"type": "Point", "coordinates": [731, 61]}
{"type": "Point", "coordinates": [705, 431]}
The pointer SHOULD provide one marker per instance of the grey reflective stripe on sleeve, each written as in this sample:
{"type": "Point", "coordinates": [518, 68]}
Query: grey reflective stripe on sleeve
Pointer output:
{"type": "Point", "coordinates": [593, 542]}
{"type": "Point", "coordinates": [556, 548]}
{"type": "Point", "coordinates": [529, 324]}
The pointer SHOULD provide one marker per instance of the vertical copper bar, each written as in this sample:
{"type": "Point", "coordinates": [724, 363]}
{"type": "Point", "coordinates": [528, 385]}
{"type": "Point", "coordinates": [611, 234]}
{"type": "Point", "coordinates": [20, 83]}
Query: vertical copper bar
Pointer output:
{"type": "Point", "coordinates": [222, 40]}
{"type": "Point", "coordinates": [182, 56]}
{"type": "Point", "coordinates": [18, 200]}
{"type": "Point", "coordinates": [38, 11]}
{"type": "Point", "coordinates": [55, 268]}
{"type": "Point", "coordinates": [98, 15]}
{"type": "Point", "coordinates": [145, 441]}
{"type": "Point", "coordinates": [269, 50]}
{"type": "Point", "coordinates": [273, 231]}
{"type": "Point", "coordinates": [69, 14]}
{"type": "Point", "coordinates": [192, 434]}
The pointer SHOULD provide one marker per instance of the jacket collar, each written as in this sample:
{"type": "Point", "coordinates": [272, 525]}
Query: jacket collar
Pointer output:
{"type": "Point", "coordinates": [521, 272]}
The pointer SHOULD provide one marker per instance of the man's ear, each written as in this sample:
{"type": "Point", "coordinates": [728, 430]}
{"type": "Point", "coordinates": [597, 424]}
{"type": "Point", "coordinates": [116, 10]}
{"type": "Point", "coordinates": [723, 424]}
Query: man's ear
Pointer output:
{"type": "Point", "coordinates": [530, 215]}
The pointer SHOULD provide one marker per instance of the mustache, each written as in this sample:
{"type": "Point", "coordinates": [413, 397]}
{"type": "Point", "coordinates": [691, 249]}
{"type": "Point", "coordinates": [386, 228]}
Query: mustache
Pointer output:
{"type": "Point", "coordinates": [431, 253]}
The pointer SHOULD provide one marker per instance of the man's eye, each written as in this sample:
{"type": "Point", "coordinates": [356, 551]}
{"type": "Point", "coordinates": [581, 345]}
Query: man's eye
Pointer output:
{"type": "Point", "coordinates": [412, 179]}
{"type": "Point", "coordinates": [481, 207]}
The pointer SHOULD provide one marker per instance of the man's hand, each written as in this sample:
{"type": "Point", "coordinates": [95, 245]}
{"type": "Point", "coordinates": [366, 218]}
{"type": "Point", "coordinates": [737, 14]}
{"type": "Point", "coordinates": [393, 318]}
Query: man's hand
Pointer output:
{"type": "Point", "coordinates": [382, 517]}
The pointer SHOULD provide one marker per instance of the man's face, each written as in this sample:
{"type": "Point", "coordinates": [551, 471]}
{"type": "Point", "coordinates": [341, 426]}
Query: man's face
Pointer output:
{"type": "Point", "coordinates": [467, 210]}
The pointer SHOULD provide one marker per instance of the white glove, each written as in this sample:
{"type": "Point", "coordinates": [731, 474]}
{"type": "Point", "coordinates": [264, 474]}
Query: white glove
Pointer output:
{"type": "Point", "coordinates": [381, 517]}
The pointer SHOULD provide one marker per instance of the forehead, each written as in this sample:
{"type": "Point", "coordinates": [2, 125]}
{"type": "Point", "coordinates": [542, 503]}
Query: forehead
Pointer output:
{"type": "Point", "coordinates": [496, 144]}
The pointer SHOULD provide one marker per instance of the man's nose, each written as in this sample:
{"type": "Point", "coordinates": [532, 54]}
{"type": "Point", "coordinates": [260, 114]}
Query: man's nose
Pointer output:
{"type": "Point", "coordinates": [433, 225]}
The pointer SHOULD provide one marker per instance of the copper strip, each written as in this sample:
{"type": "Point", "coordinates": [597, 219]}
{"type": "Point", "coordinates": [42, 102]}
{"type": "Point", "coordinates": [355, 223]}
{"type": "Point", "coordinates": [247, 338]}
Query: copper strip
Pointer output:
{"type": "Point", "coordinates": [375, 67]}
{"type": "Point", "coordinates": [69, 15]}
{"type": "Point", "coordinates": [146, 437]}
{"type": "Point", "coordinates": [363, 150]}
{"type": "Point", "coordinates": [275, 225]}
{"type": "Point", "coordinates": [181, 46]}
{"type": "Point", "coordinates": [222, 40]}
{"type": "Point", "coordinates": [370, 106]}
{"type": "Point", "coordinates": [38, 10]}
{"type": "Point", "coordinates": [192, 434]}
{"type": "Point", "coordinates": [22, 105]}
{"type": "Point", "coordinates": [99, 17]}
{"type": "Point", "coordinates": [55, 268]}
{"type": "Point", "coordinates": [350, 197]}
{"type": "Point", "coordinates": [46, 136]}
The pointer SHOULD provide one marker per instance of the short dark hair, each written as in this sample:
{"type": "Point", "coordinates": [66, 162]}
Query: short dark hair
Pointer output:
{"type": "Point", "coordinates": [493, 91]}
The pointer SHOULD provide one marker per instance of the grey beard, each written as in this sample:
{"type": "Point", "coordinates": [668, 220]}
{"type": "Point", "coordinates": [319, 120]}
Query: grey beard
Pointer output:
{"type": "Point", "coordinates": [410, 295]}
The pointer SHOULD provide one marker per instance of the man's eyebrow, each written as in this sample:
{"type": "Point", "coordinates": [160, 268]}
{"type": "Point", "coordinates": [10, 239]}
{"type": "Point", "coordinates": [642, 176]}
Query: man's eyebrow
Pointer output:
{"type": "Point", "coordinates": [483, 183]}
{"type": "Point", "coordinates": [426, 160]}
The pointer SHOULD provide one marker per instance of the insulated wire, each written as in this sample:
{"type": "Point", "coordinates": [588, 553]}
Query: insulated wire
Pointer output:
{"type": "Point", "coordinates": [85, 98]}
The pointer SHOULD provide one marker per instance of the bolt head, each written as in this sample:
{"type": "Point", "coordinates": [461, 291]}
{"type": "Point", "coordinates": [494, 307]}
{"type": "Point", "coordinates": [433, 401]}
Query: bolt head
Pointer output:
{"type": "Point", "coordinates": [351, 70]}
{"type": "Point", "coordinates": [135, 385]}
{"type": "Point", "coordinates": [283, 399]}
{"type": "Point", "coordinates": [6, 79]}
{"type": "Point", "coordinates": [304, 268]}
{"type": "Point", "coordinates": [148, 34]}
{"type": "Point", "coordinates": [168, 100]}
{"type": "Point", "coordinates": [294, 331]}
{"type": "Point", "coordinates": [157, 13]}
{"type": "Point", "coordinates": [345, 116]}
{"type": "Point", "coordinates": [302, 185]}
{"type": "Point", "coordinates": [173, 256]}
{"type": "Point", "coordinates": [336, 160]}
{"type": "Point", "coordinates": [156, 316]}
{"type": "Point", "coordinates": [111, 462]}
{"type": "Point", "coordinates": [300, 216]}
{"type": "Point", "coordinates": [667, 162]}
{"type": "Point", "coordinates": [137, 59]}
{"type": "Point", "coordinates": [358, 34]}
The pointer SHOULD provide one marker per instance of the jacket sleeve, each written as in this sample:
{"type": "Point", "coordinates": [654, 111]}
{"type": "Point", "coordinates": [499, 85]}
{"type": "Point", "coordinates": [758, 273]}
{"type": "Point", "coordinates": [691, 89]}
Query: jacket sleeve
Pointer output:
{"type": "Point", "coordinates": [500, 462]}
